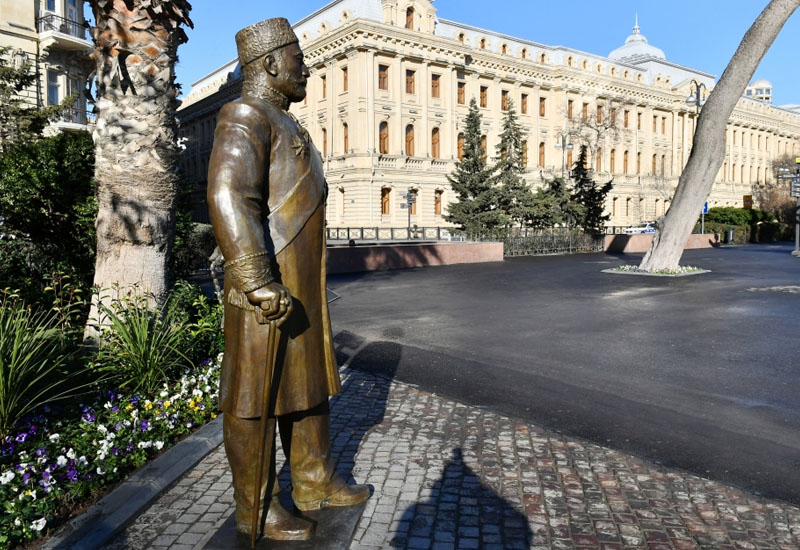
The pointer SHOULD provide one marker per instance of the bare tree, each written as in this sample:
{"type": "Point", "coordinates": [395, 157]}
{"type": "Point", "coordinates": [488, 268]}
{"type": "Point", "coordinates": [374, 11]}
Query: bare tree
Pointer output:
{"type": "Point", "coordinates": [774, 195]}
{"type": "Point", "coordinates": [136, 45]}
{"type": "Point", "coordinates": [707, 153]}
{"type": "Point", "coordinates": [595, 125]}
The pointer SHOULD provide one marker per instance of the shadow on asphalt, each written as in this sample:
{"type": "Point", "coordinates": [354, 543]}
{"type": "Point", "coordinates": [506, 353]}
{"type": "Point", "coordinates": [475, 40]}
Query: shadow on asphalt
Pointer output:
{"type": "Point", "coordinates": [463, 508]}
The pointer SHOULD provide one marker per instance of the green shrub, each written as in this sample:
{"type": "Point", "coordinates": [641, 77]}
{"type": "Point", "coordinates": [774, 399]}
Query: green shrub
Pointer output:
{"type": "Point", "coordinates": [205, 339]}
{"type": "Point", "coordinates": [36, 359]}
{"type": "Point", "coordinates": [143, 347]}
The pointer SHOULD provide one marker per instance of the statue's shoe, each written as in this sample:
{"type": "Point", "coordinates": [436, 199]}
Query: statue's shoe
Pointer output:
{"type": "Point", "coordinates": [336, 493]}
{"type": "Point", "coordinates": [279, 525]}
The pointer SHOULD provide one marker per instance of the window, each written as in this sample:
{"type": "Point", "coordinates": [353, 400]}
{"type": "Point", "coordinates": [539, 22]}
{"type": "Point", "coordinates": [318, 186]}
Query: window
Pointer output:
{"type": "Point", "coordinates": [524, 53]}
{"type": "Point", "coordinates": [542, 106]}
{"type": "Point", "coordinates": [613, 115]}
{"type": "Point", "coordinates": [638, 121]}
{"type": "Point", "coordinates": [599, 114]}
{"type": "Point", "coordinates": [655, 124]}
{"type": "Point", "coordinates": [504, 100]}
{"type": "Point", "coordinates": [435, 143]}
{"type": "Point", "coordinates": [504, 49]}
{"type": "Point", "coordinates": [598, 164]}
{"type": "Point", "coordinates": [410, 140]}
{"type": "Point", "coordinates": [655, 207]}
{"type": "Point", "coordinates": [653, 166]}
{"type": "Point", "coordinates": [628, 206]}
{"type": "Point", "coordinates": [462, 93]}
{"type": "Point", "coordinates": [324, 83]}
{"type": "Point", "coordinates": [461, 37]}
{"type": "Point", "coordinates": [625, 118]}
{"type": "Point", "coordinates": [410, 18]}
{"type": "Point", "coordinates": [383, 77]}
{"type": "Point", "coordinates": [410, 81]}
{"type": "Point", "coordinates": [523, 104]}
{"type": "Point", "coordinates": [324, 142]}
{"type": "Point", "coordinates": [345, 137]}
{"type": "Point", "coordinates": [614, 206]}
{"type": "Point", "coordinates": [585, 112]}
{"type": "Point", "coordinates": [734, 137]}
{"type": "Point", "coordinates": [543, 57]}
{"type": "Point", "coordinates": [569, 160]}
{"type": "Point", "coordinates": [484, 96]}
{"type": "Point", "coordinates": [663, 125]}
{"type": "Point", "coordinates": [483, 43]}
{"type": "Point", "coordinates": [625, 164]}
{"type": "Point", "coordinates": [413, 206]}
{"type": "Point", "coordinates": [437, 202]}
{"type": "Point", "coordinates": [524, 151]}
{"type": "Point", "coordinates": [342, 203]}
{"type": "Point", "coordinates": [460, 146]}
{"type": "Point", "coordinates": [483, 148]}
{"type": "Point", "coordinates": [541, 154]}
{"type": "Point", "coordinates": [386, 194]}
{"type": "Point", "coordinates": [570, 108]}
{"type": "Point", "coordinates": [52, 88]}
{"type": "Point", "coordinates": [435, 78]}
{"type": "Point", "coordinates": [383, 137]}
{"type": "Point", "coordinates": [638, 163]}
{"type": "Point", "coordinates": [51, 5]}
{"type": "Point", "coordinates": [345, 83]}
{"type": "Point", "coordinates": [663, 165]}
{"type": "Point", "coordinates": [612, 161]}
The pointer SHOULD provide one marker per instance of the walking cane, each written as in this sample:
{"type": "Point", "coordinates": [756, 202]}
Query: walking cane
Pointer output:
{"type": "Point", "coordinates": [272, 340]}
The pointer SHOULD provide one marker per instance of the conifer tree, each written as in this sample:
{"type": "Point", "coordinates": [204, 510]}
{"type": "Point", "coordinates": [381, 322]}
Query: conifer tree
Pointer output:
{"type": "Point", "coordinates": [514, 197]}
{"type": "Point", "coordinates": [475, 212]}
{"type": "Point", "coordinates": [588, 197]}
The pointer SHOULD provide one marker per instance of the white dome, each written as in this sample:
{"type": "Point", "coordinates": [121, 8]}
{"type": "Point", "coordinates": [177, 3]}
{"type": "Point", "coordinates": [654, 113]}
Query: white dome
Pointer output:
{"type": "Point", "coordinates": [761, 83]}
{"type": "Point", "coordinates": [636, 47]}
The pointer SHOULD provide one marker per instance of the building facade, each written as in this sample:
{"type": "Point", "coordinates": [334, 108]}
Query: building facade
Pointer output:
{"type": "Point", "coordinates": [389, 91]}
{"type": "Point", "coordinates": [51, 37]}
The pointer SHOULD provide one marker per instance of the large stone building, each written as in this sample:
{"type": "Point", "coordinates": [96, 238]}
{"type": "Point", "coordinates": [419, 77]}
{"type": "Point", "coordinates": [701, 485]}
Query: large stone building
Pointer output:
{"type": "Point", "coordinates": [390, 87]}
{"type": "Point", "coordinates": [51, 36]}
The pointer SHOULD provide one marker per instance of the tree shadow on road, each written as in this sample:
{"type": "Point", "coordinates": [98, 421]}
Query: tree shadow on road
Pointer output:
{"type": "Point", "coordinates": [465, 512]}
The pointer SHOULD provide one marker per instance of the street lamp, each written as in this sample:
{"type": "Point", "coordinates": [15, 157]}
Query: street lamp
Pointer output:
{"type": "Point", "coordinates": [564, 146]}
{"type": "Point", "coordinates": [697, 96]}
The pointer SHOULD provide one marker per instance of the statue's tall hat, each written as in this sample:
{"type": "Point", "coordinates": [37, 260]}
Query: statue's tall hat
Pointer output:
{"type": "Point", "coordinates": [258, 40]}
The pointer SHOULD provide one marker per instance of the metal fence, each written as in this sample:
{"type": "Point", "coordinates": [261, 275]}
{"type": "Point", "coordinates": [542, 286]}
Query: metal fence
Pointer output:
{"type": "Point", "coordinates": [391, 234]}
{"type": "Point", "coordinates": [52, 22]}
{"type": "Point", "coordinates": [552, 241]}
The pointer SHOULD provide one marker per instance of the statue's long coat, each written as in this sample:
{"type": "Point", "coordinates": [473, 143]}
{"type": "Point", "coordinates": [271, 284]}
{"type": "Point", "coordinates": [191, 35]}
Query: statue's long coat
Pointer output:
{"type": "Point", "coordinates": [266, 192]}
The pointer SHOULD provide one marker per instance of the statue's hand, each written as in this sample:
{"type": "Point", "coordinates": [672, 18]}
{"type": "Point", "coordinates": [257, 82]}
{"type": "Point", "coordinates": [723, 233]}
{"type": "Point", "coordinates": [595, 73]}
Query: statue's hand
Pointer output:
{"type": "Point", "coordinates": [274, 299]}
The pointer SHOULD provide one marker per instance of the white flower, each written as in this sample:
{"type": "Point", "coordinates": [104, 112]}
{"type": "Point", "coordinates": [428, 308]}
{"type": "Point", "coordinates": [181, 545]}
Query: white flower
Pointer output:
{"type": "Point", "coordinates": [100, 471]}
{"type": "Point", "coordinates": [159, 445]}
{"type": "Point", "coordinates": [145, 444]}
{"type": "Point", "coordinates": [6, 477]}
{"type": "Point", "coordinates": [197, 393]}
{"type": "Point", "coordinates": [70, 454]}
{"type": "Point", "coordinates": [82, 460]}
{"type": "Point", "coordinates": [102, 429]}
{"type": "Point", "coordinates": [61, 460]}
{"type": "Point", "coordinates": [134, 415]}
{"type": "Point", "coordinates": [163, 393]}
{"type": "Point", "coordinates": [108, 405]}
{"type": "Point", "coordinates": [54, 437]}
{"type": "Point", "coordinates": [17, 522]}
{"type": "Point", "coordinates": [101, 455]}
{"type": "Point", "coordinates": [39, 524]}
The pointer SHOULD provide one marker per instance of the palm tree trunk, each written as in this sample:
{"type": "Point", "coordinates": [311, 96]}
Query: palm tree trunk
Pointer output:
{"type": "Point", "coordinates": [136, 44]}
{"type": "Point", "coordinates": [708, 148]}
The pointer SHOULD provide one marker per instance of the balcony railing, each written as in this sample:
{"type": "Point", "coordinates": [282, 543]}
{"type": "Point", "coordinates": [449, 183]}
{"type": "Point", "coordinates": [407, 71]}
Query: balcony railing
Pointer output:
{"type": "Point", "coordinates": [75, 115]}
{"type": "Point", "coordinates": [53, 22]}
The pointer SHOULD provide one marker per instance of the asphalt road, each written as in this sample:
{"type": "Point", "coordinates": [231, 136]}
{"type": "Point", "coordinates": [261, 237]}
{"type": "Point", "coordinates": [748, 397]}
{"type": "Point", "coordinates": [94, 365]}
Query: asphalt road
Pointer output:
{"type": "Point", "coordinates": [700, 373]}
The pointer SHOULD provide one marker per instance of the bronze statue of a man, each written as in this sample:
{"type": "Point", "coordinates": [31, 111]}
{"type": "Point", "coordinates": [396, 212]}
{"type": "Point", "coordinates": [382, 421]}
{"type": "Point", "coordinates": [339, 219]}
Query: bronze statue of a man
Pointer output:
{"type": "Point", "coordinates": [266, 196]}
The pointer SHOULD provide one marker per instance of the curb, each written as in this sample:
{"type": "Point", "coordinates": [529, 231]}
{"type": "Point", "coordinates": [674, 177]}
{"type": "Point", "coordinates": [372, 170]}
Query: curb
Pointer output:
{"type": "Point", "coordinates": [111, 514]}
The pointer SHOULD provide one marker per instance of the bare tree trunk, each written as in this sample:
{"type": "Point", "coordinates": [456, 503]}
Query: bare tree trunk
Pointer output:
{"type": "Point", "coordinates": [136, 44]}
{"type": "Point", "coordinates": [708, 148]}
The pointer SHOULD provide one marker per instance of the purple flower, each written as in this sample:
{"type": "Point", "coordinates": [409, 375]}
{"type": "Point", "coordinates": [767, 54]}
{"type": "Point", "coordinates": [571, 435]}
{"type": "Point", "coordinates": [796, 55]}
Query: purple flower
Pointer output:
{"type": "Point", "coordinates": [129, 446]}
{"type": "Point", "coordinates": [110, 395]}
{"type": "Point", "coordinates": [114, 451]}
{"type": "Point", "coordinates": [26, 477]}
{"type": "Point", "coordinates": [115, 408]}
{"type": "Point", "coordinates": [135, 400]}
{"type": "Point", "coordinates": [72, 475]}
{"type": "Point", "coordinates": [144, 425]}
{"type": "Point", "coordinates": [41, 451]}
{"type": "Point", "coordinates": [8, 450]}
{"type": "Point", "coordinates": [33, 429]}
{"type": "Point", "coordinates": [205, 363]}
{"type": "Point", "coordinates": [46, 475]}
{"type": "Point", "coordinates": [21, 437]}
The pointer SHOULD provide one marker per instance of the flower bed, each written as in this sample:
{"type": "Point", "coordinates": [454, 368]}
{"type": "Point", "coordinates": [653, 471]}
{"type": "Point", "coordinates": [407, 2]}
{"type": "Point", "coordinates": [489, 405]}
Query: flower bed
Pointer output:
{"type": "Point", "coordinates": [61, 457]}
{"type": "Point", "coordinates": [635, 270]}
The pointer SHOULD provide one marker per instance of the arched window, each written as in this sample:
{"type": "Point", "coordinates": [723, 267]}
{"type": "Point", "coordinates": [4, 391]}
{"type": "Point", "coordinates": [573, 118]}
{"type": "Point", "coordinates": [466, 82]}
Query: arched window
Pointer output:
{"type": "Point", "coordinates": [524, 147]}
{"type": "Point", "coordinates": [484, 152]}
{"type": "Point", "coordinates": [541, 154]}
{"type": "Point", "coordinates": [612, 164]}
{"type": "Point", "coordinates": [345, 137]}
{"type": "Point", "coordinates": [569, 61]}
{"type": "Point", "coordinates": [461, 37]}
{"type": "Point", "coordinates": [638, 163]}
{"type": "Point", "coordinates": [460, 146]}
{"type": "Point", "coordinates": [383, 137]}
{"type": "Point", "coordinates": [628, 206]}
{"type": "Point", "coordinates": [437, 202]}
{"type": "Point", "coordinates": [614, 206]}
{"type": "Point", "coordinates": [413, 206]}
{"type": "Point", "coordinates": [656, 204]}
{"type": "Point", "coordinates": [386, 194]}
{"type": "Point", "coordinates": [663, 165]}
{"type": "Point", "coordinates": [435, 143]}
{"type": "Point", "coordinates": [324, 142]}
{"type": "Point", "coordinates": [524, 53]}
{"type": "Point", "coordinates": [653, 167]}
{"type": "Point", "coordinates": [504, 49]}
{"type": "Point", "coordinates": [625, 163]}
{"type": "Point", "coordinates": [410, 18]}
{"type": "Point", "coordinates": [543, 57]}
{"type": "Point", "coordinates": [598, 165]}
{"type": "Point", "coordinates": [410, 140]}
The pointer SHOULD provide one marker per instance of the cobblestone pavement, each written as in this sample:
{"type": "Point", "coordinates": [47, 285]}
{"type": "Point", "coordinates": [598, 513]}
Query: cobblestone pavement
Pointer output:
{"type": "Point", "coordinates": [450, 476]}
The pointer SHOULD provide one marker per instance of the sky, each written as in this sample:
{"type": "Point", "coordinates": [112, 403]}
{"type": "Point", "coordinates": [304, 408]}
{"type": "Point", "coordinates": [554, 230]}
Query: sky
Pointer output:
{"type": "Point", "coordinates": [701, 34]}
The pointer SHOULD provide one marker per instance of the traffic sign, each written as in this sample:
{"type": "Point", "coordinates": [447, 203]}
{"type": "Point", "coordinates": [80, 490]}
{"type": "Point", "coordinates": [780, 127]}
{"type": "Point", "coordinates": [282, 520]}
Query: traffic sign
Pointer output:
{"type": "Point", "coordinates": [705, 208]}
{"type": "Point", "coordinates": [795, 192]}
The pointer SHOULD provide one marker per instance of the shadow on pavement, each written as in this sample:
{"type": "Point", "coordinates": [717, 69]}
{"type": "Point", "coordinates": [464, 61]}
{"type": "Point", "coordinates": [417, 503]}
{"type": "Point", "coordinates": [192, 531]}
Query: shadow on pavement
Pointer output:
{"type": "Point", "coordinates": [465, 512]}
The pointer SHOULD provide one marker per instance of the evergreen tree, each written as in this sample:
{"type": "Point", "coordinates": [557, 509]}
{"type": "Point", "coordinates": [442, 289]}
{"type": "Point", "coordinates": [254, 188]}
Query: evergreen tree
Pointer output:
{"type": "Point", "coordinates": [588, 196]}
{"type": "Point", "coordinates": [514, 197]}
{"type": "Point", "coordinates": [475, 212]}
{"type": "Point", "coordinates": [21, 120]}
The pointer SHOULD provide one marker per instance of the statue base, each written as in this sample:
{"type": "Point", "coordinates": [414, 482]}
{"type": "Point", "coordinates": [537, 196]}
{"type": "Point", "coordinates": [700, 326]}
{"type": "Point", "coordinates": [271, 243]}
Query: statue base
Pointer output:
{"type": "Point", "coordinates": [333, 530]}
